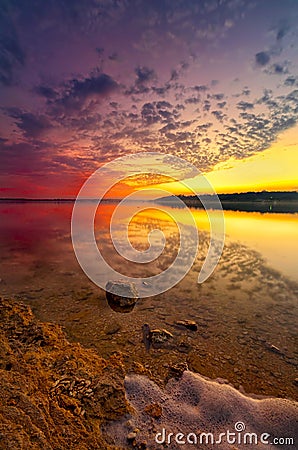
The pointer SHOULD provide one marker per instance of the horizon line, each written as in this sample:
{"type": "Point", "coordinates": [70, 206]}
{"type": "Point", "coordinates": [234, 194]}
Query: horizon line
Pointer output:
{"type": "Point", "coordinates": [73, 199]}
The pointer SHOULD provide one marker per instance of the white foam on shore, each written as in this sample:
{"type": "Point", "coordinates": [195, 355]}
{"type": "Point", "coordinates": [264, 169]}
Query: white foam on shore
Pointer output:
{"type": "Point", "coordinates": [197, 405]}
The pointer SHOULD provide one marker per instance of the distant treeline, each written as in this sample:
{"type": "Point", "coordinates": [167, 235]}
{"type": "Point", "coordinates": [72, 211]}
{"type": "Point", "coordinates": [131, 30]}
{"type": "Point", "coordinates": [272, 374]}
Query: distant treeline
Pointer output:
{"type": "Point", "coordinates": [246, 201]}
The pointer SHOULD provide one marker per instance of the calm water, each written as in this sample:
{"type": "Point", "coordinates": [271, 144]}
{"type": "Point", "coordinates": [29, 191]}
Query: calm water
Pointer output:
{"type": "Point", "coordinates": [247, 306]}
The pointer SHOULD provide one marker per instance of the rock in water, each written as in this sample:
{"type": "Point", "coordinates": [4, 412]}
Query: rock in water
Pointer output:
{"type": "Point", "coordinates": [159, 337]}
{"type": "Point", "coordinates": [146, 336]}
{"type": "Point", "coordinates": [121, 295]}
{"type": "Point", "coordinates": [189, 324]}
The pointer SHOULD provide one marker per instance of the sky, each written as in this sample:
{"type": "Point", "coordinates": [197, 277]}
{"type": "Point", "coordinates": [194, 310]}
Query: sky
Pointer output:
{"type": "Point", "coordinates": [83, 82]}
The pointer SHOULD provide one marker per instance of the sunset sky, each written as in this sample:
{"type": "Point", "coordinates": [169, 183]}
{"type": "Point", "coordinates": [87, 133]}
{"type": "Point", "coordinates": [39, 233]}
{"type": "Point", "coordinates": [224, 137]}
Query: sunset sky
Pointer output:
{"type": "Point", "coordinates": [85, 81]}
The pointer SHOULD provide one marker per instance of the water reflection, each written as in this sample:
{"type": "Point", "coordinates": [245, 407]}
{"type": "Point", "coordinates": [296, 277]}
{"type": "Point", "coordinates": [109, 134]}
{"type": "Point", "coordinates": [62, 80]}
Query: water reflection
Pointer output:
{"type": "Point", "coordinates": [246, 307]}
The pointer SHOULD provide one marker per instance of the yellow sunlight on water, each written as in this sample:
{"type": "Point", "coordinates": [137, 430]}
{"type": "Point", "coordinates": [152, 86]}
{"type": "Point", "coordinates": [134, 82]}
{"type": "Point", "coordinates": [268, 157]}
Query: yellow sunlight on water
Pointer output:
{"type": "Point", "coordinates": [274, 236]}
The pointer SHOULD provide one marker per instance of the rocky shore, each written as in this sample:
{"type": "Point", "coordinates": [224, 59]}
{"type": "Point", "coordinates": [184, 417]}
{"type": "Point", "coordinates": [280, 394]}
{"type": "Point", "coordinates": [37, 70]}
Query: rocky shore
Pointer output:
{"type": "Point", "coordinates": [54, 394]}
{"type": "Point", "coordinates": [59, 395]}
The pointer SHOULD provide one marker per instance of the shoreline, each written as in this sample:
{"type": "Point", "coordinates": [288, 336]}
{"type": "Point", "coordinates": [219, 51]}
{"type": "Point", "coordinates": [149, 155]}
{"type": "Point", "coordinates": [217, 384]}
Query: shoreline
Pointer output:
{"type": "Point", "coordinates": [65, 389]}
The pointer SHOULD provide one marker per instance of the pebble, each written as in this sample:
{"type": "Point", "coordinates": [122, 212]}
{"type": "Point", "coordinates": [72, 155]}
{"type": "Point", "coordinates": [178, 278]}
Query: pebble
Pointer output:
{"type": "Point", "coordinates": [189, 324]}
{"type": "Point", "coordinates": [275, 349]}
{"type": "Point", "coordinates": [158, 337]}
{"type": "Point", "coordinates": [131, 436]}
{"type": "Point", "coordinates": [113, 328]}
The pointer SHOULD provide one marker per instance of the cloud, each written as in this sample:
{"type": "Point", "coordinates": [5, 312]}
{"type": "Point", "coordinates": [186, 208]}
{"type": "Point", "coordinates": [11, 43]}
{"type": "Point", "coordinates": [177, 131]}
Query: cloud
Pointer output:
{"type": "Point", "coordinates": [32, 125]}
{"type": "Point", "coordinates": [11, 52]}
{"type": "Point", "coordinates": [262, 58]}
{"type": "Point", "coordinates": [144, 74]}
{"type": "Point", "coordinates": [244, 106]}
{"type": "Point", "coordinates": [76, 92]}
{"type": "Point", "coordinates": [282, 31]}
{"type": "Point", "coordinates": [45, 91]}
{"type": "Point", "coordinates": [221, 104]}
{"type": "Point", "coordinates": [98, 86]}
{"type": "Point", "coordinates": [219, 115]}
{"type": "Point", "coordinates": [192, 100]}
{"type": "Point", "coordinates": [291, 81]}
{"type": "Point", "coordinates": [279, 68]}
{"type": "Point", "coordinates": [149, 114]}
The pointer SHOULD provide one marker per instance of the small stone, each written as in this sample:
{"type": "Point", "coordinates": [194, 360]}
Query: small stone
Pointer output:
{"type": "Point", "coordinates": [121, 295]}
{"type": "Point", "coordinates": [113, 328]}
{"type": "Point", "coordinates": [177, 370]}
{"type": "Point", "coordinates": [131, 436]}
{"type": "Point", "coordinates": [296, 381]}
{"type": "Point", "coordinates": [158, 337]}
{"type": "Point", "coordinates": [275, 349]}
{"type": "Point", "coordinates": [189, 324]}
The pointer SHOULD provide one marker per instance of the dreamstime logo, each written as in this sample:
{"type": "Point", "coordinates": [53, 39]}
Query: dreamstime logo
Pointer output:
{"type": "Point", "coordinates": [236, 436]}
{"type": "Point", "coordinates": [144, 164]}
{"type": "Point", "coordinates": [239, 436]}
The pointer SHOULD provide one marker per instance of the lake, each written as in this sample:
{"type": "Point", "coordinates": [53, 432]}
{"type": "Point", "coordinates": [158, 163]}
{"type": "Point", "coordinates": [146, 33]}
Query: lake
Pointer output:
{"type": "Point", "coordinates": [246, 311]}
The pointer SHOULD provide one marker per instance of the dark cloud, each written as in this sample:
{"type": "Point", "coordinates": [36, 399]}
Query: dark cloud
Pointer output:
{"type": "Point", "coordinates": [149, 114]}
{"type": "Point", "coordinates": [174, 75]}
{"type": "Point", "coordinates": [32, 126]}
{"type": "Point", "coordinates": [163, 104]}
{"type": "Point", "coordinates": [161, 90]}
{"type": "Point", "coordinates": [169, 127]}
{"type": "Point", "coordinates": [291, 81]}
{"type": "Point", "coordinates": [207, 105]}
{"type": "Point", "coordinates": [282, 31]}
{"type": "Point", "coordinates": [160, 111]}
{"type": "Point", "coordinates": [221, 104]}
{"type": "Point", "coordinates": [217, 97]}
{"type": "Point", "coordinates": [244, 106]}
{"type": "Point", "coordinates": [144, 75]}
{"type": "Point", "coordinates": [201, 88]}
{"type": "Point", "coordinates": [192, 100]}
{"type": "Point", "coordinates": [45, 91]}
{"type": "Point", "coordinates": [219, 115]}
{"type": "Point", "coordinates": [12, 55]}
{"type": "Point", "coordinates": [77, 91]}
{"type": "Point", "coordinates": [262, 58]}
{"type": "Point", "coordinates": [279, 68]}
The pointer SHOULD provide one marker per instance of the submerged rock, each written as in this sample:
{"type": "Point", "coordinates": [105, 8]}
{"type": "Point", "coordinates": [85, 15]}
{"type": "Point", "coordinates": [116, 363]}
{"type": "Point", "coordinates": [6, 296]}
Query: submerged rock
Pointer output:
{"type": "Point", "coordinates": [159, 337]}
{"type": "Point", "coordinates": [121, 295]}
{"type": "Point", "coordinates": [155, 338]}
{"type": "Point", "coordinates": [131, 436]}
